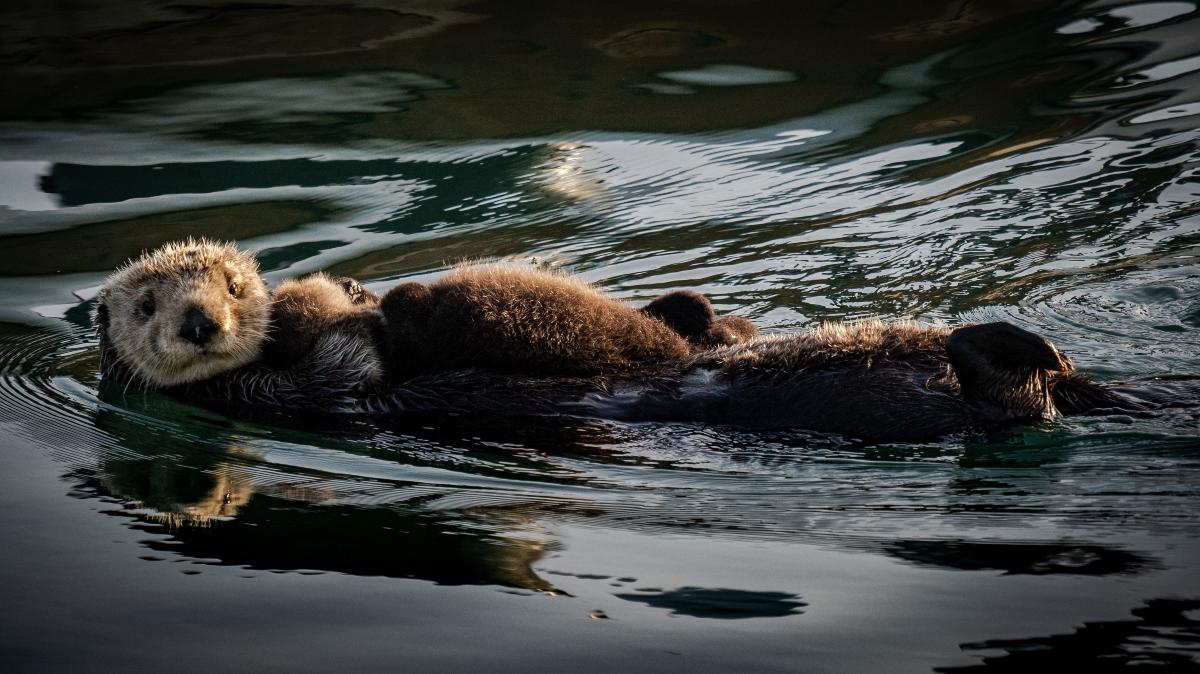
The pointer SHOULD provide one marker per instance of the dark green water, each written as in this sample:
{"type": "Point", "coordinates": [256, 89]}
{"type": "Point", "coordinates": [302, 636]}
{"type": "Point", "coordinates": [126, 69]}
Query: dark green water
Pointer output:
{"type": "Point", "coordinates": [1031, 162]}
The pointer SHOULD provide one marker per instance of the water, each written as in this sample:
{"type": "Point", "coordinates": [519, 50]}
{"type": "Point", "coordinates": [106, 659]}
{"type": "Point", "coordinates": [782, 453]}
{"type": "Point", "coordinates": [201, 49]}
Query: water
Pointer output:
{"type": "Point", "coordinates": [1035, 163]}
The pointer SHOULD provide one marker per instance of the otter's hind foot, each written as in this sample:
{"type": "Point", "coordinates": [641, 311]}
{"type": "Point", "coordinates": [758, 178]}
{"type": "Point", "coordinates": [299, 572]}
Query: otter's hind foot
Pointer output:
{"type": "Point", "coordinates": [1004, 346]}
{"type": "Point", "coordinates": [1006, 366]}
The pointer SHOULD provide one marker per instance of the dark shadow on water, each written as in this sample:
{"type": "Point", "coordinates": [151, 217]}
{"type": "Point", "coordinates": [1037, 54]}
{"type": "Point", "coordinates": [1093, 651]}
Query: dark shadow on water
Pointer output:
{"type": "Point", "coordinates": [1021, 558]}
{"type": "Point", "coordinates": [721, 603]}
{"type": "Point", "coordinates": [1164, 636]}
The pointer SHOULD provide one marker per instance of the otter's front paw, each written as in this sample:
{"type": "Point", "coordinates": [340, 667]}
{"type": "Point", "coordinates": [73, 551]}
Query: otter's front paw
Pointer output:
{"type": "Point", "coordinates": [355, 290]}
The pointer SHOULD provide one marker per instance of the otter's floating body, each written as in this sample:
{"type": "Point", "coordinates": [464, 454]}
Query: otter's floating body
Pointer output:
{"type": "Point", "coordinates": [195, 319]}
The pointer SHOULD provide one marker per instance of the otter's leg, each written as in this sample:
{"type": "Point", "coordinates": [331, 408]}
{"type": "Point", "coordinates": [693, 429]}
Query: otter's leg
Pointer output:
{"type": "Point", "coordinates": [730, 330]}
{"type": "Point", "coordinates": [1001, 364]}
{"type": "Point", "coordinates": [691, 315]}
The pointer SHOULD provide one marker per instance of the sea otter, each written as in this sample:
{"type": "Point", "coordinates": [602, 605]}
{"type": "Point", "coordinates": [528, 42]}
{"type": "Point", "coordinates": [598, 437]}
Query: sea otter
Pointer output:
{"type": "Point", "coordinates": [192, 310]}
{"type": "Point", "coordinates": [874, 380]}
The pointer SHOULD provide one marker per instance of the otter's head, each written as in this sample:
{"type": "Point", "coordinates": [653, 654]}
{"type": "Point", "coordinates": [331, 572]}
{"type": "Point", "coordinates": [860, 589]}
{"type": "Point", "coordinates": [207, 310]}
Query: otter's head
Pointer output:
{"type": "Point", "coordinates": [184, 312]}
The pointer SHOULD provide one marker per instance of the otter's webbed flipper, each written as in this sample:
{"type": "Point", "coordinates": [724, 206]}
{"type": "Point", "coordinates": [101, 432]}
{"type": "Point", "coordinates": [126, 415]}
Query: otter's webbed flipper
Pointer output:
{"type": "Point", "coordinates": [691, 315]}
{"type": "Point", "coordinates": [1074, 393]}
{"type": "Point", "coordinates": [1006, 368]}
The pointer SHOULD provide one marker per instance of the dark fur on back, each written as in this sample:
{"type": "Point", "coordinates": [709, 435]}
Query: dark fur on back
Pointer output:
{"type": "Point", "coordinates": [870, 380]}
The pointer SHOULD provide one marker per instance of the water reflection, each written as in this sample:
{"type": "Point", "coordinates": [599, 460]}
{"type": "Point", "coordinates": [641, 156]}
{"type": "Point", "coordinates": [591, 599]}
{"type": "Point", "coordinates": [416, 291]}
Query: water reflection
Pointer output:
{"type": "Point", "coordinates": [561, 66]}
{"type": "Point", "coordinates": [1027, 558]}
{"type": "Point", "coordinates": [217, 505]}
{"type": "Point", "coordinates": [720, 603]}
{"type": "Point", "coordinates": [275, 534]}
{"type": "Point", "coordinates": [1162, 637]}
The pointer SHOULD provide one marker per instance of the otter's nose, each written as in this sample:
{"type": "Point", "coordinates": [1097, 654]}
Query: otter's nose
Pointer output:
{"type": "Point", "coordinates": [197, 327]}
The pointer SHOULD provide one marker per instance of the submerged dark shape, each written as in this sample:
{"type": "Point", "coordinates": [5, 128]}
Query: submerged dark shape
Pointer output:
{"type": "Point", "coordinates": [1027, 558]}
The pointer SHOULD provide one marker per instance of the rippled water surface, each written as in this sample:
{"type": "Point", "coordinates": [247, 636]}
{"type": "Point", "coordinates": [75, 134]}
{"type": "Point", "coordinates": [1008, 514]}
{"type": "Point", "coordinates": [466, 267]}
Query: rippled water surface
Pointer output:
{"type": "Point", "coordinates": [969, 161]}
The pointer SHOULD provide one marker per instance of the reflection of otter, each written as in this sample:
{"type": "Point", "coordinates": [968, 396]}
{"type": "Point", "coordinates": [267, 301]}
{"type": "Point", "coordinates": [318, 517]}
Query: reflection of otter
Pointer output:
{"type": "Point", "coordinates": [206, 498]}
{"type": "Point", "coordinates": [179, 495]}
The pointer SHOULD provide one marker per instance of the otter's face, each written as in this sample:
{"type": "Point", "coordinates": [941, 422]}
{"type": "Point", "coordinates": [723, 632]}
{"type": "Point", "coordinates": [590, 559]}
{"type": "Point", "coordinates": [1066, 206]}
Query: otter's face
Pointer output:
{"type": "Point", "coordinates": [185, 312]}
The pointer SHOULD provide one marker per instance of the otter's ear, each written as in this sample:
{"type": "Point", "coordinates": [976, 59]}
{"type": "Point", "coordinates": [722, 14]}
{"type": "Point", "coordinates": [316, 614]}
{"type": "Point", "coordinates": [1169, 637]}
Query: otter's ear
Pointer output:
{"type": "Point", "coordinates": [102, 314]}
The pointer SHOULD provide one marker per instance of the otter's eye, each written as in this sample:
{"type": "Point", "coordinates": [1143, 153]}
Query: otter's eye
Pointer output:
{"type": "Point", "coordinates": [148, 306]}
{"type": "Point", "coordinates": [235, 289]}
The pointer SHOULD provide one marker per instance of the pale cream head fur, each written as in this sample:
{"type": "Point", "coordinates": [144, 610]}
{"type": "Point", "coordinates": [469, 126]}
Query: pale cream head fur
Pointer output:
{"type": "Point", "coordinates": [145, 303]}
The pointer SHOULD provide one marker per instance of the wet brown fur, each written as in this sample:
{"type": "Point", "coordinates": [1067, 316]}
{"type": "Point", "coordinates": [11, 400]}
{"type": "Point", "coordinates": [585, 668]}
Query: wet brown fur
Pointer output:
{"type": "Point", "coordinates": [868, 342]}
{"type": "Point", "coordinates": [500, 317]}
{"type": "Point", "coordinates": [305, 309]}
{"type": "Point", "coordinates": [524, 320]}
